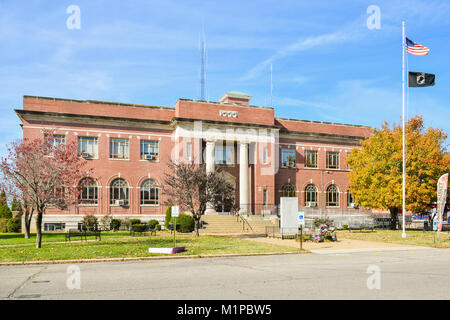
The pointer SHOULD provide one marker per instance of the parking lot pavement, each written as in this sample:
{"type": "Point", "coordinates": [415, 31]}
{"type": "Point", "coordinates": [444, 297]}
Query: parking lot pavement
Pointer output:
{"type": "Point", "coordinates": [403, 274]}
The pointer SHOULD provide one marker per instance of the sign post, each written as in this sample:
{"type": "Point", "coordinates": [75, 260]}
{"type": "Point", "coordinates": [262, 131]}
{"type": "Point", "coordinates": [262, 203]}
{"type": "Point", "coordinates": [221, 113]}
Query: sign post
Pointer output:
{"type": "Point", "coordinates": [175, 214]}
{"type": "Point", "coordinates": [301, 223]}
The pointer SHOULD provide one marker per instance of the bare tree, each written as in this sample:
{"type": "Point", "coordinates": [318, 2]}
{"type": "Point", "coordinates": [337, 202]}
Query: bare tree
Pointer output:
{"type": "Point", "coordinates": [192, 188]}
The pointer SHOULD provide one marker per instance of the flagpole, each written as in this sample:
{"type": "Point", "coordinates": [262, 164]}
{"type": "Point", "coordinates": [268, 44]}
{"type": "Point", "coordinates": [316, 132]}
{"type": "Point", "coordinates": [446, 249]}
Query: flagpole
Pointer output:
{"type": "Point", "coordinates": [403, 120]}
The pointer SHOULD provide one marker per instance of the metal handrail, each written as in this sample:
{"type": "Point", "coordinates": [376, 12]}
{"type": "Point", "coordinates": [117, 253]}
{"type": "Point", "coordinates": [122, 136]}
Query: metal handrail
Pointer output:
{"type": "Point", "coordinates": [239, 216]}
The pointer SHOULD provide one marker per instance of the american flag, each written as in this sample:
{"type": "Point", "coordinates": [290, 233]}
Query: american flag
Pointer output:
{"type": "Point", "coordinates": [415, 48]}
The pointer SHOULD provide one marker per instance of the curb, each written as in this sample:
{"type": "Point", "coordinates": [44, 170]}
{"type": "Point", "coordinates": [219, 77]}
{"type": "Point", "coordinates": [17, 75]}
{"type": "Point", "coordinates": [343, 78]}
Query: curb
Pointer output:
{"type": "Point", "coordinates": [21, 263]}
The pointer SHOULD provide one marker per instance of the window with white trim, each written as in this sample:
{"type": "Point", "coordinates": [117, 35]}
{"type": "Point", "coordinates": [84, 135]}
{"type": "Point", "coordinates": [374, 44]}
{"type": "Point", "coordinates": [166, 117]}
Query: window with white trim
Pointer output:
{"type": "Point", "coordinates": [332, 196]}
{"type": "Point", "coordinates": [88, 147]}
{"type": "Point", "coordinates": [89, 192]}
{"type": "Point", "coordinates": [119, 192]}
{"type": "Point", "coordinates": [311, 159]}
{"type": "Point", "coordinates": [149, 192]}
{"type": "Point", "coordinates": [310, 193]}
{"type": "Point", "coordinates": [149, 148]}
{"type": "Point", "coordinates": [332, 160]}
{"type": "Point", "coordinates": [288, 190]}
{"type": "Point", "coordinates": [119, 148]}
{"type": "Point", "coordinates": [288, 158]}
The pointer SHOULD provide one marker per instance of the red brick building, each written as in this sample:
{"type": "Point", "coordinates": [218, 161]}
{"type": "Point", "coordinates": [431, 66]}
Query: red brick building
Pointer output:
{"type": "Point", "coordinates": [129, 146]}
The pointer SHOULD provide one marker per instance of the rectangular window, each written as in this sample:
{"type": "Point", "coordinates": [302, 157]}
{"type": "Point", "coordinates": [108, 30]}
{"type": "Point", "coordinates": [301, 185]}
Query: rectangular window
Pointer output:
{"type": "Point", "coordinates": [288, 158]}
{"type": "Point", "coordinates": [188, 151]}
{"type": "Point", "coordinates": [54, 226]}
{"type": "Point", "coordinates": [119, 148]}
{"type": "Point", "coordinates": [265, 196]}
{"type": "Point", "coordinates": [88, 147]}
{"type": "Point", "coordinates": [56, 140]}
{"type": "Point", "coordinates": [332, 160]}
{"type": "Point", "coordinates": [149, 149]}
{"type": "Point", "coordinates": [224, 155]}
{"type": "Point", "coordinates": [310, 159]}
{"type": "Point", "coordinates": [265, 155]}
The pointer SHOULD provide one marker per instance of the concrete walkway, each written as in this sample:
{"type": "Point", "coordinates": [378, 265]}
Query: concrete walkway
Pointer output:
{"type": "Point", "coordinates": [341, 246]}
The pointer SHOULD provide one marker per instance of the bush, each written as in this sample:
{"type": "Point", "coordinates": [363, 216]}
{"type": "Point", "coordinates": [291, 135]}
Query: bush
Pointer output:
{"type": "Point", "coordinates": [344, 227]}
{"type": "Point", "coordinates": [139, 227]}
{"type": "Point", "coordinates": [168, 217]}
{"type": "Point", "coordinates": [125, 222]}
{"type": "Point", "coordinates": [90, 221]}
{"type": "Point", "coordinates": [106, 222]}
{"type": "Point", "coordinates": [115, 224]}
{"type": "Point", "coordinates": [5, 212]}
{"type": "Point", "coordinates": [153, 224]}
{"type": "Point", "coordinates": [135, 221]}
{"type": "Point", "coordinates": [327, 221]}
{"type": "Point", "coordinates": [14, 225]}
{"type": "Point", "coordinates": [3, 223]}
{"type": "Point", "coordinates": [185, 222]}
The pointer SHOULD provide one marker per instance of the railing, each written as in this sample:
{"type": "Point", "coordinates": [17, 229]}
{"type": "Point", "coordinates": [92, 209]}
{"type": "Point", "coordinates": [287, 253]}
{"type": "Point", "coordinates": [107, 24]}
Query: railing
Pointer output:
{"type": "Point", "coordinates": [244, 221]}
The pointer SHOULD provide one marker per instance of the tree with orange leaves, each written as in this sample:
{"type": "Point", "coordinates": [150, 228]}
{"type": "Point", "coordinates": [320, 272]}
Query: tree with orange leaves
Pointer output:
{"type": "Point", "coordinates": [376, 168]}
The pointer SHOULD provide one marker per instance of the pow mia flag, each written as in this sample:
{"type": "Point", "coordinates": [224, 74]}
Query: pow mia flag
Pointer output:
{"type": "Point", "coordinates": [420, 79]}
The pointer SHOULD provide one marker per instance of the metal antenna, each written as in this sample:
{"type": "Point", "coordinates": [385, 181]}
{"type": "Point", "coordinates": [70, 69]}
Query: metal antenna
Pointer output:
{"type": "Point", "coordinates": [271, 85]}
{"type": "Point", "coordinates": [203, 69]}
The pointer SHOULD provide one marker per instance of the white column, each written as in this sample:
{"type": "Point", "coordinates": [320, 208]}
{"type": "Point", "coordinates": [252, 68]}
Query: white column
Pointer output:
{"type": "Point", "coordinates": [210, 168]}
{"type": "Point", "coordinates": [243, 178]}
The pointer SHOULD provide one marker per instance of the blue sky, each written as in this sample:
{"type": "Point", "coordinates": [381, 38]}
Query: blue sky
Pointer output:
{"type": "Point", "coordinates": [327, 65]}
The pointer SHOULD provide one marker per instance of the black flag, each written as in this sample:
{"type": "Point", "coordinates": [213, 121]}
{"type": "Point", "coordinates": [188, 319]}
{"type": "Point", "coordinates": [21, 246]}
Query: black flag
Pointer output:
{"type": "Point", "coordinates": [420, 79]}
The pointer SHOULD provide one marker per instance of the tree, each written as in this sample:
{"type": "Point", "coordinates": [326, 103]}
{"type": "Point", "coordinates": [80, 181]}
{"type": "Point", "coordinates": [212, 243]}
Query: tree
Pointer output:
{"type": "Point", "coordinates": [376, 168]}
{"type": "Point", "coordinates": [192, 188]}
{"type": "Point", "coordinates": [43, 174]}
{"type": "Point", "coordinates": [15, 205]}
{"type": "Point", "coordinates": [5, 212]}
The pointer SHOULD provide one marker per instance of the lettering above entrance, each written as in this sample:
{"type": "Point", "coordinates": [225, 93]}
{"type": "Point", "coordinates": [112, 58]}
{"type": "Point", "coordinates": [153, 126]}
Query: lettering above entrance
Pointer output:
{"type": "Point", "coordinates": [229, 114]}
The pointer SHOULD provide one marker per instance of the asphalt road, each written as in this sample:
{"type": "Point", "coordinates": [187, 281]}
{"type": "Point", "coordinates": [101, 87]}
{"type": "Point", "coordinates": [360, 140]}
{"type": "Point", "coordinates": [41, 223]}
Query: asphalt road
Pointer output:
{"type": "Point", "coordinates": [403, 274]}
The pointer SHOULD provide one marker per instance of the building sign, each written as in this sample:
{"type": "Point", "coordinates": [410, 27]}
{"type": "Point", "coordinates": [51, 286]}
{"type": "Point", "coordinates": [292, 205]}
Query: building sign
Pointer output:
{"type": "Point", "coordinates": [442, 186]}
{"type": "Point", "coordinates": [301, 218]}
{"type": "Point", "coordinates": [229, 114]}
{"type": "Point", "coordinates": [175, 211]}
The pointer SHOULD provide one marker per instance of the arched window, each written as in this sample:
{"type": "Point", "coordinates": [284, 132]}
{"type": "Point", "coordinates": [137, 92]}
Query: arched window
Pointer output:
{"type": "Point", "coordinates": [89, 192]}
{"type": "Point", "coordinates": [310, 193]}
{"type": "Point", "coordinates": [288, 190]}
{"type": "Point", "coordinates": [332, 196]}
{"type": "Point", "coordinates": [119, 193]}
{"type": "Point", "coordinates": [149, 192]}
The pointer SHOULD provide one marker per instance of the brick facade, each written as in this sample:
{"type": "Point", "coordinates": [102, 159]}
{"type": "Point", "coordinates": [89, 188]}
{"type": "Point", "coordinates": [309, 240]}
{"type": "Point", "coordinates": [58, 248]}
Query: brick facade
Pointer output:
{"type": "Point", "coordinates": [168, 127]}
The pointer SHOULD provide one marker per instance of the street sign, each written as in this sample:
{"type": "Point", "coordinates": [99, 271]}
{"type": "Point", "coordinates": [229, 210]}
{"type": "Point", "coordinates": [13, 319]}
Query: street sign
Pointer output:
{"type": "Point", "coordinates": [175, 211]}
{"type": "Point", "coordinates": [301, 218]}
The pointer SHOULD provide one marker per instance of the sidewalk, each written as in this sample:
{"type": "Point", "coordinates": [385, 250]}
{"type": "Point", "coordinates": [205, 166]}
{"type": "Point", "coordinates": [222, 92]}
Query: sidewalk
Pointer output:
{"type": "Point", "coordinates": [343, 245]}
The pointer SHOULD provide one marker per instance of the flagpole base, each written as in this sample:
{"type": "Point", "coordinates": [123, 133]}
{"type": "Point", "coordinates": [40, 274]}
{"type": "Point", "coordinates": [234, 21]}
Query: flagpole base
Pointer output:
{"type": "Point", "coordinates": [403, 235]}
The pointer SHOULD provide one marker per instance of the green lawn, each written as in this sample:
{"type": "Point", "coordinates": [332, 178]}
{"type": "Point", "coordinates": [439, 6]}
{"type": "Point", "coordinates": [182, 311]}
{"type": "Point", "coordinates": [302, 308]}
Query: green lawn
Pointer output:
{"type": "Point", "coordinates": [133, 247]}
{"type": "Point", "coordinates": [413, 237]}
{"type": "Point", "coordinates": [17, 238]}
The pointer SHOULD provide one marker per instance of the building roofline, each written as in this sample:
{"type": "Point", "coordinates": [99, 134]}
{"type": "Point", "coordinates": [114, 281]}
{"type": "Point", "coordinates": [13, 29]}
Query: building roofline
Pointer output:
{"type": "Point", "coordinates": [225, 104]}
{"type": "Point", "coordinates": [324, 122]}
{"type": "Point", "coordinates": [21, 113]}
{"type": "Point", "coordinates": [122, 104]}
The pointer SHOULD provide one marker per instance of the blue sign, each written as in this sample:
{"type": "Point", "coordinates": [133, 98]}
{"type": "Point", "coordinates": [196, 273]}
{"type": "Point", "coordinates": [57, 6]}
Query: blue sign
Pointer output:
{"type": "Point", "coordinates": [301, 218]}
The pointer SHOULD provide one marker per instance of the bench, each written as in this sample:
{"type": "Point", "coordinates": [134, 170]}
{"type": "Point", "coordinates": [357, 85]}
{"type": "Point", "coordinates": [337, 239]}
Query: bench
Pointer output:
{"type": "Point", "coordinates": [73, 233]}
{"type": "Point", "coordinates": [170, 227]}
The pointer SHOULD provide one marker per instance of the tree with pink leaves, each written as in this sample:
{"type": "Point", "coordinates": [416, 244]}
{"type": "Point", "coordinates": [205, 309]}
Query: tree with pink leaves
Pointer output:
{"type": "Point", "coordinates": [43, 174]}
